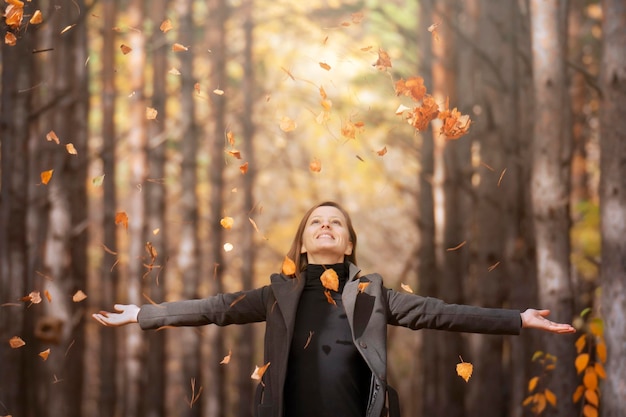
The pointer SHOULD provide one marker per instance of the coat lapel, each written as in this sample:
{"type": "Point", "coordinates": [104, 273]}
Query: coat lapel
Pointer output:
{"type": "Point", "coordinates": [287, 292]}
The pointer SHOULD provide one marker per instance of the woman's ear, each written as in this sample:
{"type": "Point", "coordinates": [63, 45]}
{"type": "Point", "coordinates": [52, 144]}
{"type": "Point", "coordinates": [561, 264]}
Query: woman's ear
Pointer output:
{"type": "Point", "coordinates": [349, 249]}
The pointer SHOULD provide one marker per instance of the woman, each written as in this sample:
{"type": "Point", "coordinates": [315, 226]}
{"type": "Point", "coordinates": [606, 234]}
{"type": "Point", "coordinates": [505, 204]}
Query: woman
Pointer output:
{"type": "Point", "coordinates": [325, 336]}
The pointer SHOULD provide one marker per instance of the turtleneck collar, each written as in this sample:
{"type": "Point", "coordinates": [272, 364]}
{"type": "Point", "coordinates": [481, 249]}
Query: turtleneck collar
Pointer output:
{"type": "Point", "coordinates": [313, 272]}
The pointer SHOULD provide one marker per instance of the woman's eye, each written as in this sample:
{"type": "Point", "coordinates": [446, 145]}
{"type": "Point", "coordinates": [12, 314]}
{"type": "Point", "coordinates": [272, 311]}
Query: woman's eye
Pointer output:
{"type": "Point", "coordinates": [337, 222]}
{"type": "Point", "coordinates": [315, 221]}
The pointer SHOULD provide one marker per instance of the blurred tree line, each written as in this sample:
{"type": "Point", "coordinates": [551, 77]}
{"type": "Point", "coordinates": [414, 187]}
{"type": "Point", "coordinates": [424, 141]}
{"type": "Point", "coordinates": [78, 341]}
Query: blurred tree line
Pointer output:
{"type": "Point", "coordinates": [130, 129]}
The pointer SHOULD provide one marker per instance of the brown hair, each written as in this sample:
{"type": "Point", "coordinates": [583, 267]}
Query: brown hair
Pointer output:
{"type": "Point", "coordinates": [296, 246]}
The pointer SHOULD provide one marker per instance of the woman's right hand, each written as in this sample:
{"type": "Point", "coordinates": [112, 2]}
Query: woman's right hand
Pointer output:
{"type": "Point", "coordinates": [127, 313]}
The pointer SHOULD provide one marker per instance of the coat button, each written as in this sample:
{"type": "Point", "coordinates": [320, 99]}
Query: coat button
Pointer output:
{"type": "Point", "coordinates": [363, 344]}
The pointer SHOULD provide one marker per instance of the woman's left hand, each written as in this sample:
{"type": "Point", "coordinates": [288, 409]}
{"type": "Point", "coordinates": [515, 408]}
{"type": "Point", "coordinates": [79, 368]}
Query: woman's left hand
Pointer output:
{"type": "Point", "coordinates": [536, 319]}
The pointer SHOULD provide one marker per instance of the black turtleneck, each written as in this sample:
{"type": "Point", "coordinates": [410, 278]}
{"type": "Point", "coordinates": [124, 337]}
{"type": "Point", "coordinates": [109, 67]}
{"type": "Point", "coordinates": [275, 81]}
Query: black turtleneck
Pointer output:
{"type": "Point", "coordinates": [326, 375]}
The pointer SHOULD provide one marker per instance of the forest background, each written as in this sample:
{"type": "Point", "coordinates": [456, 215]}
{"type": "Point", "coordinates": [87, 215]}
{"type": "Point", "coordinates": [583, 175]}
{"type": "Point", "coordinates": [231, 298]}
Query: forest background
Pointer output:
{"type": "Point", "coordinates": [163, 150]}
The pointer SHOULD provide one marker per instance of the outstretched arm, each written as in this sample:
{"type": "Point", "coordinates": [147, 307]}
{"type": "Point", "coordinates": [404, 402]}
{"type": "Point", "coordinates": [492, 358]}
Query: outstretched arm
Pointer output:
{"type": "Point", "coordinates": [127, 314]}
{"type": "Point", "coordinates": [536, 319]}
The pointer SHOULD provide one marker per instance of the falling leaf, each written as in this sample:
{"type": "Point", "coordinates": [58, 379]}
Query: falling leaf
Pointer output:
{"type": "Point", "coordinates": [230, 137]}
{"type": "Point", "coordinates": [362, 286]}
{"type": "Point", "coordinates": [228, 247]}
{"type": "Point", "coordinates": [125, 49]}
{"type": "Point", "coordinates": [177, 47]}
{"type": "Point", "coordinates": [166, 26]}
{"type": "Point", "coordinates": [350, 129]}
{"type": "Point", "coordinates": [501, 176]}
{"type": "Point", "coordinates": [325, 66]}
{"type": "Point", "coordinates": [494, 266]}
{"type": "Point", "coordinates": [289, 266]}
{"type": "Point", "coordinates": [121, 218]}
{"type": "Point", "coordinates": [236, 300]}
{"type": "Point", "coordinates": [156, 231]}
{"type": "Point", "coordinates": [366, 48]}
{"type": "Point", "coordinates": [227, 222]}
{"type": "Point", "coordinates": [52, 137]}
{"type": "Point", "coordinates": [315, 165]}
{"type": "Point", "coordinates": [48, 295]}
{"type": "Point", "coordinates": [16, 342]}
{"type": "Point", "coordinates": [36, 18]}
{"type": "Point", "coordinates": [71, 149]}
{"type": "Point", "coordinates": [97, 181]}
{"type": "Point", "coordinates": [330, 279]}
{"type": "Point", "coordinates": [226, 359]}
{"type": "Point", "coordinates": [455, 124]}
{"type": "Point", "coordinates": [464, 370]}
{"type": "Point", "coordinates": [421, 116]}
{"type": "Point", "coordinates": [356, 17]}
{"type": "Point", "coordinates": [412, 87]}
{"type": "Point", "coordinates": [308, 340]}
{"type": "Point", "coordinates": [67, 28]}
{"type": "Point", "coordinates": [46, 176]}
{"type": "Point", "coordinates": [151, 113]}
{"type": "Point", "coordinates": [383, 61]}
{"type": "Point", "coordinates": [10, 39]}
{"type": "Point", "coordinates": [259, 371]}
{"type": "Point", "coordinates": [243, 168]}
{"type": "Point", "coordinates": [382, 151]}
{"type": "Point", "coordinates": [44, 355]}
{"type": "Point", "coordinates": [79, 296]}
{"type": "Point", "coordinates": [173, 71]}
{"type": "Point", "coordinates": [433, 29]}
{"type": "Point", "coordinates": [287, 124]}
{"type": "Point", "coordinates": [218, 92]}
{"type": "Point", "coordinates": [34, 297]}
{"type": "Point", "coordinates": [234, 153]}
{"type": "Point", "coordinates": [406, 288]}
{"type": "Point", "coordinates": [14, 13]}
{"type": "Point", "coordinates": [329, 297]}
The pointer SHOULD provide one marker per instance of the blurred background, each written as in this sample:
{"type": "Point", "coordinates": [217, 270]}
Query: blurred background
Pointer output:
{"type": "Point", "coordinates": [164, 150]}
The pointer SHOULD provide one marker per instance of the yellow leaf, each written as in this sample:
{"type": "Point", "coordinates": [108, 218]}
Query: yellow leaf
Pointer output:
{"type": "Point", "coordinates": [67, 28]}
{"type": "Point", "coordinates": [46, 176]}
{"type": "Point", "coordinates": [592, 397]}
{"type": "Point", "coordinates": [537, 354]}
{"type": "Point", "coordinates": [227, 222]}
{"type": "Point", "coordinates": [590, 380]}
{"type": "Point", "coordinates": [581, 342]}
{"type": "Point", "coordinates": [578, 393]}
{"type": "Point", "coordinates": [581, 362]}
{"type": "Point", "coordinates": [599, 370]}
{"type": "Point", "coordinates": [71, 149]}
{"type": "Point", "coordinates": [97, 181]}
{"type": "Point", "coordinates": [550, 397]}
{"type": "Point", "coordinates": [289, 266]}
{"type": "Point", "coordinates": [79, 296]}
{"type": "Point", "coordinates": [596, 327]}
{"type": "Point", "coordinates": [590, 411]}
{"type": "Point", "coordinates": [44, 354]}
{"type": "Point", "coordinates": [464, 370]}
{"type": "Point", "coordinates": [330, 279]}
{"type": "Point", "coordinates": [259, 371]}
{"type": "Point", "coordinates": [16, 342]}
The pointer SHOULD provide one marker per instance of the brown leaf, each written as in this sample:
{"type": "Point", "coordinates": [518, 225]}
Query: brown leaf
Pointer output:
{"type": "Point", "coordinates": [289, 266]}
{"type": "Point", "coordinates": [382, 151]}
{"type": "Point", "coordinates": [459, 246]}
{"type": "Point", "coordinates": [126, 49]}
{"type": "Point", "coordinates": [16, 342]}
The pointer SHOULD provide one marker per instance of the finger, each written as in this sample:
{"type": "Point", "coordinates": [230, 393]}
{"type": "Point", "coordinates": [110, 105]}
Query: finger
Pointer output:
{"type": "Point", "coordinates": [103, 313]}
{"type": "Point", "coordinates": [119, 307]}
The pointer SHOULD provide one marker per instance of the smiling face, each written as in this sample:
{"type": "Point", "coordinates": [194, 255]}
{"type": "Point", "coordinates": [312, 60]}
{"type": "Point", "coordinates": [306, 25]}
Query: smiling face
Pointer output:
{"type": "Point", "coordinates": [326, 236]}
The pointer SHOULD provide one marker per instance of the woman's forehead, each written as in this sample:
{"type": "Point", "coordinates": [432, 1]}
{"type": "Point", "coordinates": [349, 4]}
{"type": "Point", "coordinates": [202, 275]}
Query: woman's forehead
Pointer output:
{"type": "Point", "coordinates": [327, 211]}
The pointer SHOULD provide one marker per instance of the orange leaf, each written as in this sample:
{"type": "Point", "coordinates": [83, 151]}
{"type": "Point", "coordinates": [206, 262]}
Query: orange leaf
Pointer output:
{"type": "Point", "coordinates": [151, 113]}
{"type": "Point", "coordinates": [590, 380]}
{"type": "Point", "coordinates": [363, 286]}
{"type": "Point", "coordinates": [125, 49]}
{"type": "Point", "coordinates": [234, 153]}
{"type": "Point", "coordinates": [16, 342]}
{"type": "Point", "coordinates": [413, 88]}
{"type": "Point", "coordinates": [166, 26]}
{"type": "Point", "coordinates": [315, 165]}
{"type": "Point", "coordinates": [592, 397]}
{"type": "Point", "coordinates": [581, 362]}
{"type": "Point", "coordinates": [383, 61]}
{"type": "Point", "coordinates": [243, 168]}
{"type": "Point", "coordinates": [330, 279]}
{"type": "Point", "coordinates": [580, 342]}
{"type": "Point", "coordinates": [532, 384]}
{"type": "Point", "coordinates": [325, 66]}
{"type": "Point", "coordinates": [226, 359]}
{"type": "Point", "coordinates": [34, 297]}
{"type": "Point", "coordinates": [420, 116]}
{"type": "Point", "coordinates": [46, 176]}
{"type": "Point", "coordinates": [177, 47]}
{"type": "Point", "coordinates": [540, 403]}
{"type": "Point", "coordinates": [287, 124]}
{"type": "Point", "coordinates": [578, 394]}
{"type": "Point", "coordinates": [406, 288]}
{"type": "Point", "coordinates": [48, 296]}
{"type": "Point", "coordinates": [382, 151]}
{"type": "Point", "coordinates": [10, 39]}
{"type": "Point", "coordinates": [550, 397]}
{"type": "Point", "coordinates": [227, 222]}
{"type": "Point", "coordinates": [52, 137]}
{"type": "Point", "coordinates": [599, 370]}
{"type": "Point", "coordinates": [36, 18]}
{"type": "Point", "coordinates": [71, 149]}
{"type": "Point", "coordinates": [44, 354]}
{"type": "Point", "coordinates": [13, 14]}
{"type": "Point", "coordinates": [464, 370]}
{"type": "Point", "coordinates": [79, 296]}
{"type": "Point", "coordinates": [455, 124]}
{"type": "Point", "coordinates": [601, 351]}
{"type": "Point", "coordinates": [230, 137]}
{"type": "Point", "coordinates": [121, 218]}
{"type": "Point", "coordinates": [259, 371]}
{"type": "Point", "coordinates": [329, 297]}
{"type": "Point", "coordinates": [289, 266]}
{"type": "Point", "coordinates": [590, 411]}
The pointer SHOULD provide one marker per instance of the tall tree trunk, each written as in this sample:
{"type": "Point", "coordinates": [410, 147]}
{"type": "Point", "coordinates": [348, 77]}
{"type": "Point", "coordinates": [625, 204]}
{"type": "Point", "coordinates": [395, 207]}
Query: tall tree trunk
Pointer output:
{"type": "Point", "coordinates": [14, 118]}
{"type": "Point", "coordinates": [188, 255]}
{"type": "Point", "coordinates": [216, 35]}
{"type": "Point", "coordinates": [448, 183]}
{"type": "Point", "coordinates": [550, 184]}
{"type": "Point", "coordinates": [135, 207]}
{"type": "Point", "coordinates": [612, 203]}
{"type": "Point", "coordinates": [108, 403]}
{"type": "Point", "coordinates": [246, 345]}
{"type": "Point", "coordinates": [153, 402]}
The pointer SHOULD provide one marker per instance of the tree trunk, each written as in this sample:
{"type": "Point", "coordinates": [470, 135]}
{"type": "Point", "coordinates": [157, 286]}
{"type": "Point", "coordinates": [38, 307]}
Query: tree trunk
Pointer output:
{"type": "Point", "coordinates": [612, 203]}
{"type": "Point", "coordinates": [550, 185]}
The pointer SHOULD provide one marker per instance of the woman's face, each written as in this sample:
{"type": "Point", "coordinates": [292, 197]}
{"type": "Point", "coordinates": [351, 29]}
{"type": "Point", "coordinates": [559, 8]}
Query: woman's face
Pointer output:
{"type": "Point", "coordinates": [326, 238]}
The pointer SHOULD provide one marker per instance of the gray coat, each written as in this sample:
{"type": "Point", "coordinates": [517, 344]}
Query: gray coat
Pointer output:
{"type": "Point", "coordinates": [369, 307]}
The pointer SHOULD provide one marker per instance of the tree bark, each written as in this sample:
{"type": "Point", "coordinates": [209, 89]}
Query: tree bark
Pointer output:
{"type": "Point", "coordinates": [612, 203]}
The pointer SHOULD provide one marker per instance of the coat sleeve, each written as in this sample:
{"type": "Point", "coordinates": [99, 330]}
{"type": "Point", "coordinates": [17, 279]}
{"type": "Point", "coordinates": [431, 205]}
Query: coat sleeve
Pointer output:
{"type": "Point", "coordinates": [417, 312]}
{"type": "Point", "coordinates": [221, 309]}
